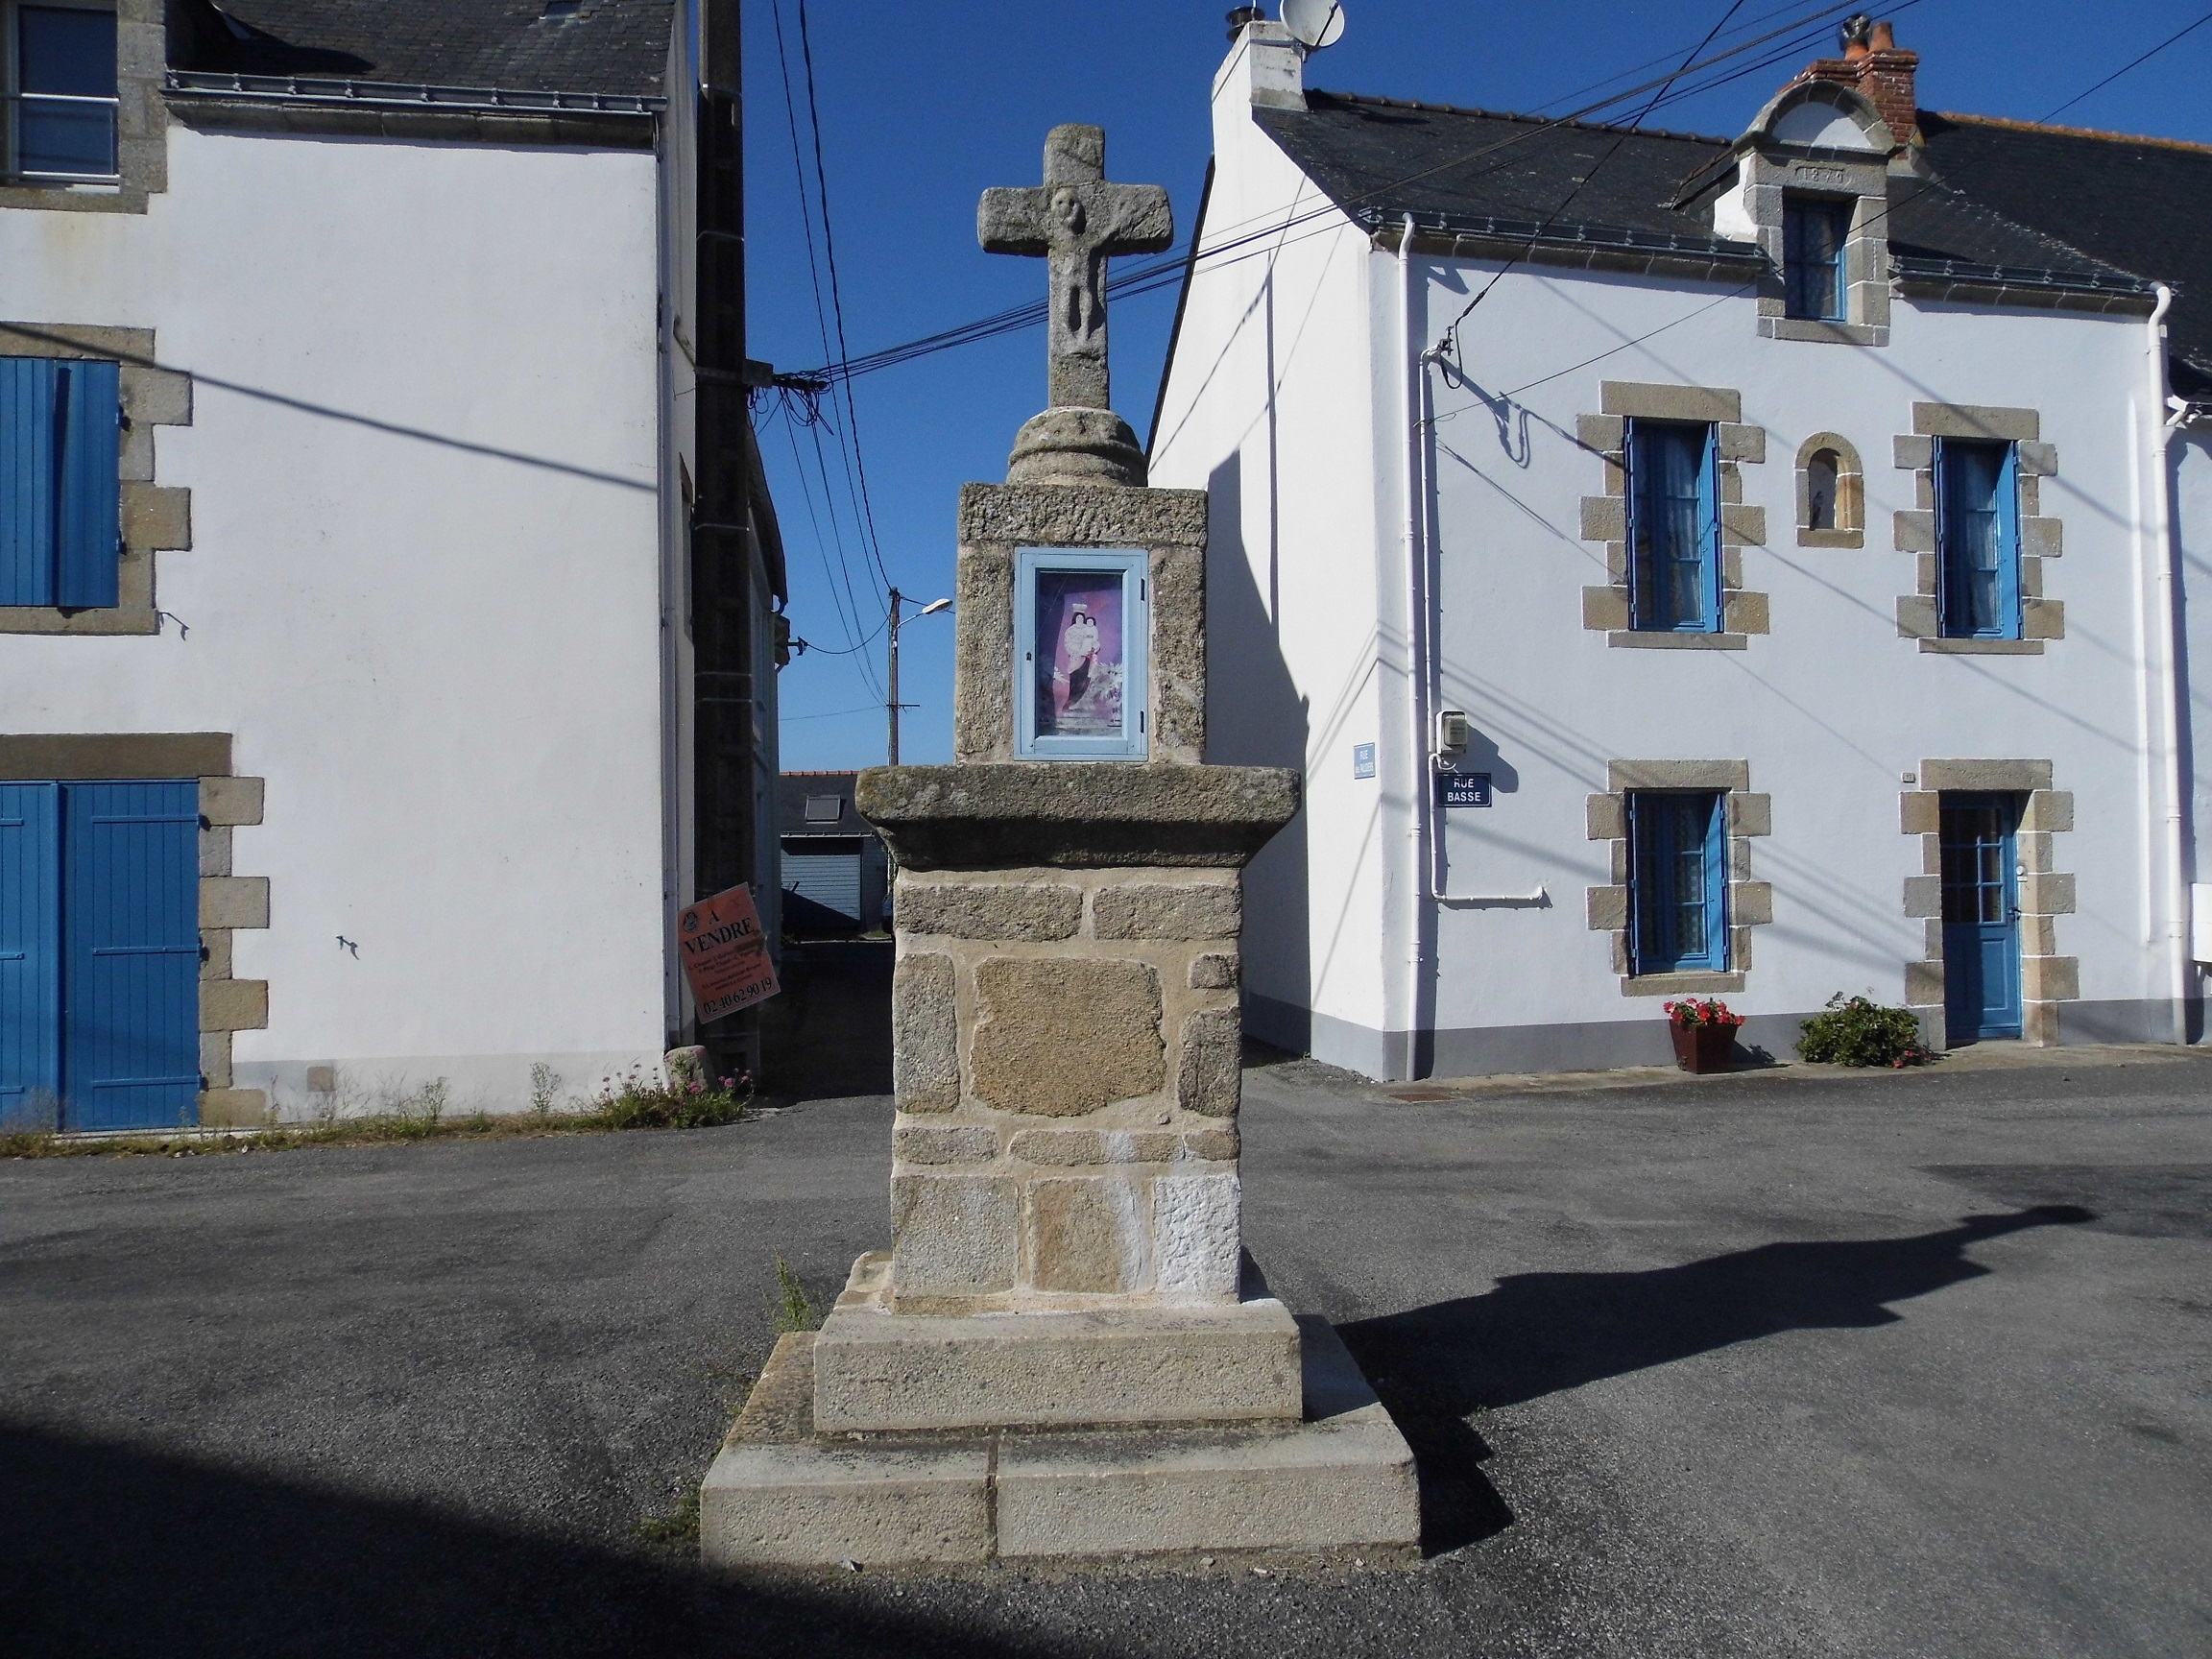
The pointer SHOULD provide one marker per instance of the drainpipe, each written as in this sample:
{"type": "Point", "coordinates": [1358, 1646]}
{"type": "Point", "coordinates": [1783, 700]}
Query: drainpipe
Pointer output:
{"type": "Point", "coordinates": [2180, 967]}
{"type": "Point", "coordinates": [1417, 881]}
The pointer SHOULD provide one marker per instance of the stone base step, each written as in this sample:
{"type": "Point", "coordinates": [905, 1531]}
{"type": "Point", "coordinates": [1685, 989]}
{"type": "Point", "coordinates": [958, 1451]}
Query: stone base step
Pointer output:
{"type": "Point", "coordinates": [779, 1493]}
{"type": "Point", "coordinates": [879, 1372]}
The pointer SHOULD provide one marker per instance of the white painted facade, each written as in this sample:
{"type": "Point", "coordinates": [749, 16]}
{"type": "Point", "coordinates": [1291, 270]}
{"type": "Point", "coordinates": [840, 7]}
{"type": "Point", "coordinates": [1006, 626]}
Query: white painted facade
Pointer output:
{"type": "Point", "coordinates": [1303, 392]}
{"type": "Point", "coordinates": [427, 591]}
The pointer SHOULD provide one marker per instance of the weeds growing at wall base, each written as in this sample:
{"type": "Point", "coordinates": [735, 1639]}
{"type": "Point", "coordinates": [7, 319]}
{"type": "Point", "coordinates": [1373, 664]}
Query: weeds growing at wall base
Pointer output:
{"type": "Point", "coordinates": [632, 1102]}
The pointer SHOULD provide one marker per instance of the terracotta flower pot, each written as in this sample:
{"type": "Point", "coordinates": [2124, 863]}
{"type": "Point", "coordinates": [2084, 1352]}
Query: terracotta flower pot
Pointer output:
{"type": "Point", "coordinates": [1702, 1049]}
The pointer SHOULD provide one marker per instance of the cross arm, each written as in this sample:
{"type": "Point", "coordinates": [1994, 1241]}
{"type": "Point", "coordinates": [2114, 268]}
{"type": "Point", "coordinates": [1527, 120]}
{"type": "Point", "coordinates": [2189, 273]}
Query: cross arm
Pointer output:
{"type": "Point", "coordinates": [1131, 218]}
{"type": "Point", "coordinates": [1011, 220]}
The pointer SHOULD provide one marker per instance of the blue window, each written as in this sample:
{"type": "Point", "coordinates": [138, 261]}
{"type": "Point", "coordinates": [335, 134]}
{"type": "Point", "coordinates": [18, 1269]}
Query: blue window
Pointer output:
{"type": "Point", "coordinates": [1814, 235]}
{"type": "Point", "coordinates": [99, 954]}
{"type": "Point", "coordinates": [60, 521]}
{"type": "Point", "coordinates": [1677, 882]}
{"type": "Point", "coordinates": [1673, 527]}
{"type": "Point", "coordinates": [65, 99]}
{"type": "Point", "coordinates": [1978, 539]}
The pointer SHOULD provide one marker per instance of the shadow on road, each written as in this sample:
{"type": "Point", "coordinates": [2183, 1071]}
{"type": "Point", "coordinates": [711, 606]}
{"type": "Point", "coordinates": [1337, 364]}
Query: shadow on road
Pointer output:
{"type": "Point", "coordinates": [116, 1550]}
{"type": "Point", "coordinates": [1540, 1333]}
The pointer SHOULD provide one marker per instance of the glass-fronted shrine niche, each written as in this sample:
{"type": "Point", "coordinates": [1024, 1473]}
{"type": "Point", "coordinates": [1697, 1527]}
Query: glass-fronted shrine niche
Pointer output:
{"type": "Point", "coordinates": [1082, 620]}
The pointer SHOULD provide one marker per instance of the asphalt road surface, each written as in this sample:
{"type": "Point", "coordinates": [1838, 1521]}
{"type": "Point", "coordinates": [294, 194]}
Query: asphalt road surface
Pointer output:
{"type": "Point", "coordinates": [1884, 1365]}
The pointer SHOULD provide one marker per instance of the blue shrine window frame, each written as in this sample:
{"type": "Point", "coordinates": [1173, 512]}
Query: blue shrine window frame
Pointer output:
{"type": "Point", "coordinates": [1673, 499]}
{"type": "Point", "coordinates": [1677, 882]}
{"type": "Point", "coordinates": [1816, 232]}
{"type": "Point", "coordinates": [60, 489]}
{"type": "Point", "coordinates": [1120, 577]}
{"type": "Point", "coordinates": [1977, 540]}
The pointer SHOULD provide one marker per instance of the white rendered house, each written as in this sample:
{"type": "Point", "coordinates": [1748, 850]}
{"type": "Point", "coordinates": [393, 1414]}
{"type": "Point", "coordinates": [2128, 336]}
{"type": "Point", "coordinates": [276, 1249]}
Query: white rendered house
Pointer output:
{"type": "Point", "coordinates": [360, 538]}
{"type": "Point", "coordinates": [1686, 565]}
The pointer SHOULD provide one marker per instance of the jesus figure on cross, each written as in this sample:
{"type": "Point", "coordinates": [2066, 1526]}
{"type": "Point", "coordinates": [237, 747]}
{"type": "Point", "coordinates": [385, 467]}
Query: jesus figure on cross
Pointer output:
{"type": "Point", "coordinates": [1076, 221]}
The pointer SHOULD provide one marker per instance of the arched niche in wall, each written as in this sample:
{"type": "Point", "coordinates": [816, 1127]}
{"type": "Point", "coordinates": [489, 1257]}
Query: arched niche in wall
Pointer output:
{"type": "Point", "coordinates": [1831, 493]}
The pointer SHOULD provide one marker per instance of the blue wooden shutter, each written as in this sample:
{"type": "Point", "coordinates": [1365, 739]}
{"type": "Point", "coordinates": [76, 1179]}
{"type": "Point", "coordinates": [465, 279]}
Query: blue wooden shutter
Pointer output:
{"type": "Point", "coordinates": [89, 530]}
{"type": "Point", "coordinates": [28, 468]}
{"type": "Point", "coordinates": [2008, 542]}
{"type": "Point", "coordinates": [1708, 527]}
{"type": "Point", "coordinates": [131, 955]}
{"type": "Point", "coordinates": [30, 956]}
{"type": "Point", "coordinates": [1716, 883]}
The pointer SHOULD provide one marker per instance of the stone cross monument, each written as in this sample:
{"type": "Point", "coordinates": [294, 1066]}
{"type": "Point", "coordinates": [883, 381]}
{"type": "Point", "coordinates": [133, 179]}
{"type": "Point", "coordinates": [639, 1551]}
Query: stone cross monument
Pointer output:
{"type": "Point", "coordinates": [1076, 221]}
{"type": "Point", "coordinates": [1065, 1352]}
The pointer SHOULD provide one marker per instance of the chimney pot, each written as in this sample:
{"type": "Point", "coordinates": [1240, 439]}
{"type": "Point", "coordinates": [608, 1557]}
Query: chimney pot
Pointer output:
{"type": "Point", "coordinates": [1882, 38]}
{"type": "Point", "coordinates": [1243, 15]}
{"type": "Point", "coordinates": [1855, 30]}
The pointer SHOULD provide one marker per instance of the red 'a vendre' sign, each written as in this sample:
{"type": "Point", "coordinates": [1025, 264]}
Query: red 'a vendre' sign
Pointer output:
{"type": "Point", "coordinates": [725, 955]}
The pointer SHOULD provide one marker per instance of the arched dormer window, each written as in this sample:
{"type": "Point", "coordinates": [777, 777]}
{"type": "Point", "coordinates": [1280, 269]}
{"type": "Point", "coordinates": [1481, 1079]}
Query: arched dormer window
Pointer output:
{"type": "Point", "coordinates": [1810, 187]}
{"type": "Point", "coordinates": [1831, 493]}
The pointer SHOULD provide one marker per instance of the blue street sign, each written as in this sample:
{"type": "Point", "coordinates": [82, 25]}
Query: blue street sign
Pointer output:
{"type": "Point", "coordinates": [1362, 760]}
{"type": "Point", "coordinates": [1462, 788]}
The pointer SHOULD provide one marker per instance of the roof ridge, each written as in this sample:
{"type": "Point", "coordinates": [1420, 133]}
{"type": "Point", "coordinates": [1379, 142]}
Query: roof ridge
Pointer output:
{"type": "Point", "coordinates": [2015, 126]}
{"type": "Point", "coordinates": [1515, 115]}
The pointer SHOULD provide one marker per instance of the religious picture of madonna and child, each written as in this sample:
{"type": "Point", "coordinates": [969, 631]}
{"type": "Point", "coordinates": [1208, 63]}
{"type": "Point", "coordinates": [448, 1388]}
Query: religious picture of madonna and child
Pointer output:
{"type": "Point", "coordinates": [1079, 654]}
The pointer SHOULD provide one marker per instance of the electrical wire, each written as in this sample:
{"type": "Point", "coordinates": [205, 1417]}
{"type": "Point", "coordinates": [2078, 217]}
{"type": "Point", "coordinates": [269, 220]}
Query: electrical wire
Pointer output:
{"type": "Point", "coordinates": [856, 459]}
{"type": "Point", "coordinates": [2043, 120]}
{"type": "Point", "coordinates": [844, 587]}
{"type": "Point", "coordinates": [1451, 338]}
{"type": "Point", "coordinates": [1169, 269]}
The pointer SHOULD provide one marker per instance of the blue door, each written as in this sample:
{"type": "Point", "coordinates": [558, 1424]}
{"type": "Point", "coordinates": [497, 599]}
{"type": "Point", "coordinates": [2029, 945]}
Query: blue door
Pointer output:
{"type": "Point", "coordinates": [100, 955]}
{"type": "Point", "coordinates": [131, 955]}
{"type": "Point", "coordinates": [30, 956]}
{"type": "Point", "coordinates": [1980, 916]}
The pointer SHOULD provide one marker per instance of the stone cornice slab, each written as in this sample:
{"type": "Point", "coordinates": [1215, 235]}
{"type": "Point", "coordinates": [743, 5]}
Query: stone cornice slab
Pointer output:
{"type": "Point", "coordinates": [1000, 815]}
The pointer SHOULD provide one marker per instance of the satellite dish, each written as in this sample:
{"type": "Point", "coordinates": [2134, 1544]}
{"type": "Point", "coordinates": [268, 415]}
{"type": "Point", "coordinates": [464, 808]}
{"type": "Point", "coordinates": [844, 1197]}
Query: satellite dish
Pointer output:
{"type": "Point", "coordinates": [1314, 23]}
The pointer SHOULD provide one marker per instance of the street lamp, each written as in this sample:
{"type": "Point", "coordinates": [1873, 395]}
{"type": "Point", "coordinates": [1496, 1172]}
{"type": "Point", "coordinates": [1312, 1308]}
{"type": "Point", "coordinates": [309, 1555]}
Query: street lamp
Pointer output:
{"type": "Point", "coordinates": [898, 622]}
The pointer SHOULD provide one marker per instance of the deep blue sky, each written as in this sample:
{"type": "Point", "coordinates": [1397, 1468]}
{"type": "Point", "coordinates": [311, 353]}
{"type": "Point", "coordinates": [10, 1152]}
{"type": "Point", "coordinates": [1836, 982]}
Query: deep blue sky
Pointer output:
{"type": "Point", "coordinates": [922, 106]}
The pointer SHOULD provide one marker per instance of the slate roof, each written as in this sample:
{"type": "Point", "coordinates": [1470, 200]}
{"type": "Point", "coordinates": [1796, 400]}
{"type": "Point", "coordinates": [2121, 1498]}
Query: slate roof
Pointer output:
{"type": "Point", "coordinates": [1505, 174]}
{"type": "Point", "coordinates": [2141, 204]}
{"type": "Point", "coordinates": [606, 47]}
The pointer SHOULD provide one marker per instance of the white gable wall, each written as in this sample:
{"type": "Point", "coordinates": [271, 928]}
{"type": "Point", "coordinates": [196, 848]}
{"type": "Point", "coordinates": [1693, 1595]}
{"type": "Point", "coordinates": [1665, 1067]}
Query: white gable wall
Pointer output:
{"type": "Point", "coordinates": [1285, 414]}
{"type": "Point", "coordinates": [445, 662]}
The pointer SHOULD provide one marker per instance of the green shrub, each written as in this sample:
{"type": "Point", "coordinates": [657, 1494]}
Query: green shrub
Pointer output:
{"type": "Point", "coordinates": [1857, 1031]}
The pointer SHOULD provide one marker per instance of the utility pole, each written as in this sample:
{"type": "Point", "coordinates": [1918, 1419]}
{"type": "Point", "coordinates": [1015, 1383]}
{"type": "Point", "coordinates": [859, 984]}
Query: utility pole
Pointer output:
{"type": "Point", "coordinates": [893, 705]}
{"type": "Point", "coordinates": [896, 597]}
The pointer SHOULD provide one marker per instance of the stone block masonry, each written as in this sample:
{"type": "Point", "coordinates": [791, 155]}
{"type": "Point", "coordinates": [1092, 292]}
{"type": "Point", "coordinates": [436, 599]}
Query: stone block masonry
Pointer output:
{"type": "Point", "coordinates": [1068, 1049]}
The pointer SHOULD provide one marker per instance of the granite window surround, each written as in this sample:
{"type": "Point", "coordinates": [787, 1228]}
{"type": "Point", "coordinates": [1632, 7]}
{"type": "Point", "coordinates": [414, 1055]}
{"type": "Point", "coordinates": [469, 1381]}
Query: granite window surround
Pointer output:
{"type": "Point", "coordinates": [2047, 978]}
{"type": "Point", "coordinates": [1604, 517]}
{"type": "Point", "coordinates": [142, 123]}
{"type": "Point", "coordinates": [156, 517]}
{"type": "Point", "coordinates": [228, 901]}
{"type": "Point", "coordinates": [2042, 538]}
{"type": "Point", "coordinates": [1750, 904]}
{"type": "Point", "coordinates": [1850, 527]}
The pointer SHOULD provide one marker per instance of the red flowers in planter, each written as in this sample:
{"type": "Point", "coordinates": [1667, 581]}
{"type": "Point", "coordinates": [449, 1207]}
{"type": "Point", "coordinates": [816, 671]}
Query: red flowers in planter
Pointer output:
{"type": "Point", "coordinates": [1711, 1011]}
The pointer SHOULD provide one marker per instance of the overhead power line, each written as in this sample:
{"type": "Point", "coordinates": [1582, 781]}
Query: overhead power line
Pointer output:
{"type": "Point", "coordinates": [2132, 64]}
{"type": "Point", "coordinates": [1169, 271]}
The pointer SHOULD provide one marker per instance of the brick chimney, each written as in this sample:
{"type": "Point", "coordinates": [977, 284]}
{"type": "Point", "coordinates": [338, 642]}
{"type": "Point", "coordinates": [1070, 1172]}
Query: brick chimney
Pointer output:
{"type": "Point", "coordinates": [1875, 64]}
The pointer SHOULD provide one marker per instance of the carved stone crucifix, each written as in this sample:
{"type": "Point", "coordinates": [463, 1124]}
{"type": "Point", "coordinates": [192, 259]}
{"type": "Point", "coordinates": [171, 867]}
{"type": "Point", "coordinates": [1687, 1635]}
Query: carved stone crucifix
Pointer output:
{"type": "Point", "coordinates": [1077, 221]}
